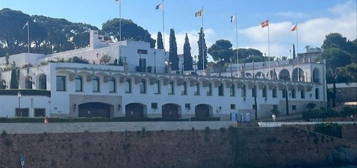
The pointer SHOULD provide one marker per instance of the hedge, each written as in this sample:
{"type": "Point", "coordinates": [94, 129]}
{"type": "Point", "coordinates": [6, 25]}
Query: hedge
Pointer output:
{"type": "Point", "coordinates": [69, 120]}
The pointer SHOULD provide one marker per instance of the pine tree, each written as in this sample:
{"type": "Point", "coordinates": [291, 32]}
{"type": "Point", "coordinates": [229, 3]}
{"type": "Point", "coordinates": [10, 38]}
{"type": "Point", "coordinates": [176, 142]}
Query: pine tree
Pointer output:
{"type": "Point", "coordinates": [188, 60]}
{"type": "Point", "coordinates": [202, 56]}
{"type": "Point", "coordinates": [160, 43]}
{"type": "Point", "coordinates": [173, 58]}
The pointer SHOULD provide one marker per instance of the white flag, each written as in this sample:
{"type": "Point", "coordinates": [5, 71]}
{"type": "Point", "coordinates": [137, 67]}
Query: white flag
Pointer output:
{"type": "Point", "coordinates": [233, 19]}
{"type": "Point", "coordinates": [26, 25]}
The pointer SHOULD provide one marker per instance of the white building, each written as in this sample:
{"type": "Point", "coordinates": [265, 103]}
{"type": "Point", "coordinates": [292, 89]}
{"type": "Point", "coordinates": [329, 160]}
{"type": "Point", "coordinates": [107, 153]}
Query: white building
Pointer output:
{"type": "Point", "coordinates": [131, 79]}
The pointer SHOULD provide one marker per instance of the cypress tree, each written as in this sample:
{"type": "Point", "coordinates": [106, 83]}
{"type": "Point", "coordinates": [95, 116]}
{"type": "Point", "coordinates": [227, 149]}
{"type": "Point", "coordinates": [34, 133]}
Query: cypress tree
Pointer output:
{"type": "Point", "coordinates": [173, 58]}
{"type": "Point", "coordinates": [14, 83]}
{"type": "Point", "coordinates": [202, 56]}
{"type": "Point", "coordinates": [188, 60]}
{"type": "Point", "coordinates": [160, 44]}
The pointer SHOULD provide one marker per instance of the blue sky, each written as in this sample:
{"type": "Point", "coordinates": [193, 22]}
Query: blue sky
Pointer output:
{"type": "Point", "coordinates": [315, 17]}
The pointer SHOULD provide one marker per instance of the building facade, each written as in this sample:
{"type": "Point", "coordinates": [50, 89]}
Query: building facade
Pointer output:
{"type": "Point", "coordinates": [130, 79]}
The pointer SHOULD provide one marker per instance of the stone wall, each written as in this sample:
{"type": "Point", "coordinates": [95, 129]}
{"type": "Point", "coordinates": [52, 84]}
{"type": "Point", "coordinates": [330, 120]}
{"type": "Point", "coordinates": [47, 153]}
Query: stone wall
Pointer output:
{"type": "Point", "coordinates": [224, 148]}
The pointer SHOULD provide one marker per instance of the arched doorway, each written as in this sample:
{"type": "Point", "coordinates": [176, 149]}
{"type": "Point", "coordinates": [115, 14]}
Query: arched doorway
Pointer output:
{"type": "Point", "coordinates": [316, 76]}
{"type": "Point", "coordinates": [272, 75]}
{"type": "Point", "coordinates": [259, 75]}
{"type": "Point", "coordinates": [248, 75]}
{"type": "Point", "coordinates": [284, 75]}
{"type": "Point", "coordinates": [95, 109]}
{"type": "Point", "coordinates": [203, 111]}
{"type": "Point", "coordinates": [171, 112]}
{"type": "Point", "coordinates": [135, 111]}
{"type": "Point", "coordinates": [298, 75]}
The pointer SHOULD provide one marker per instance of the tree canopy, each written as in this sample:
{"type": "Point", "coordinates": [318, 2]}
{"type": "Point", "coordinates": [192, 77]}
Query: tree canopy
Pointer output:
{"type": "Point", "coordinates": [47, 34]}
{"type": "Point", "coordinates": [221, 51]}
{"type": "Point", "coordinates": [336, 57]}
{"type": "Point", "coordinates": [341, 56]}
{"type": "Point", "coordinates": [130, 30]}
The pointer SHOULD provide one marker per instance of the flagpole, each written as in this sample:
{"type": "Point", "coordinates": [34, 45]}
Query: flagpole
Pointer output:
{"type": "Point", "coordinates": [269, 50]}
{"type": "Point", "coordinates": [237, 57]}
{"type": "Point", "coordinates": [203, 32]}
{"type": "Point", "coordinates": [120, 22]}
{"type": "Point", "coordinates": [297, 41]}
{"type": "Point", "coordinates": [28, 37]}
{"type": "Point", "coordinates": [163, 22]}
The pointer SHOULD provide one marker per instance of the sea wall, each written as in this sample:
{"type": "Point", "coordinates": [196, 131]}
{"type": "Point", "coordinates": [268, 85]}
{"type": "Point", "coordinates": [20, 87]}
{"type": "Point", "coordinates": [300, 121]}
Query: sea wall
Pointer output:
{"type": "Point", "coordinates": [208, 148]}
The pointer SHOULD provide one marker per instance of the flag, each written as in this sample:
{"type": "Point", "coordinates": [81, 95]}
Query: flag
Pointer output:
{"type": "Point", "coordinates": [26, 25]}
{"type": "Point", "coordinates": [199, 13]}
{"type": "Point", "coordinates": [265, 23]}
{"type": "Point", "coordinates": [233, 19]}
{"type": "Point", "coordinates": [159, 6]}
{"type": "Point", "coordinates": [294, 28]}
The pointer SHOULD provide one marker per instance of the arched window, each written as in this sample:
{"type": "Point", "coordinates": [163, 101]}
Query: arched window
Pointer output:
{"type": "Point", "coordinates": [274, 92]}
{"type": "Point", "coordinates": [96, 84]}
{"type": "Point", "coordinates": [128, 86]}
{"type": "Point", "coordinates": [254, 91]}
{"type": "Point", "coordinates": [3, 84]}
{"type": "Point", "coordinates": [264, 92]}
{"type": "Point", "coordinates": [298, 75]}
{"type": "Point", "coordinates": [221, 90]}
{"type": "Point", "coordinates": [78, 84]}
{"type": "Point", "coordinates": [259, 75]}
{"type": "Point", "coordinates": [184, 88]}
{"type": "Point", "coordinates": [42, 82]}
{"type": "Point", "coordinates": [293, 93]}
{"type": "Point", "coordinates": [158, 87]}
{"type": "Point", "coordinates": [112, 85]}
{"type": "Point", "coordinates": [302, 94]}
{"type": "Point", "coordinates": [284, 75]}
{"type": "Point", "coordinates": [317, 93]}
{"type": "Point", "coordinates": [198, 89]}
{"type": "Point", "coordinates": [209, 92]}
{"type": "Point", "coordinates": [28, 82]}
{"type": "Point", "coordinates": [171, 88]}
{"type": "Point", "coordinates": [316, 76]}
{"type": "Point", "coordinates": [272, 75]}
{"type": "Point", "coordinates": [232, 90]}
{"type": "Point", "coordinates": [143, 86]}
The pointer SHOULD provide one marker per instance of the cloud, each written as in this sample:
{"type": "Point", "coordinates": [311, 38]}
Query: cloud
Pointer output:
{"type": "Point", "coordinates": [210, 36]}
{"type": "Point", "coordinates": [311, 32]}
{"type": "Point", "coordinates": [292, 15]}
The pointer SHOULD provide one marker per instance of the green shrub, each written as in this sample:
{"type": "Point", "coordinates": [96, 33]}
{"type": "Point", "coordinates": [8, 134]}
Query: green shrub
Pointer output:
{"type": "Point", "coordinates": [4, 134]}
{"type": "Point", "coordinates": [348, 111]}
{"type": "Point", "coordinates": [223, 130]}
{"type": "Point", "coordinates": [207, 130]}
{"type": "Point", "coordinates": [69, 120]}
{"type": "Point", "coordinates": [330, 129]}
{"type": "Point", "coordinates": [320, 114]}
{"type": "Point", "coordinates": [310, 106]}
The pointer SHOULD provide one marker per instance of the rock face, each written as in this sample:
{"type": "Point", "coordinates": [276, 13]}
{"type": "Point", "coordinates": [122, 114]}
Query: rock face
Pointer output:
{"type": "Point", "coordinates": [224, 148]}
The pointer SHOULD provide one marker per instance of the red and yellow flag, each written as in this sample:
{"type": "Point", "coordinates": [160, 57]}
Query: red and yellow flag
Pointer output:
{"type": "Point", "coordinates": [294, 28]}
{"type": "Point", "coordinates": [265, 23]}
